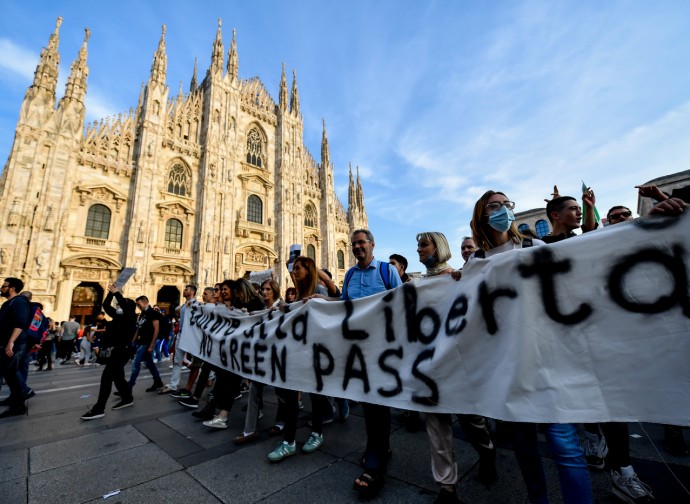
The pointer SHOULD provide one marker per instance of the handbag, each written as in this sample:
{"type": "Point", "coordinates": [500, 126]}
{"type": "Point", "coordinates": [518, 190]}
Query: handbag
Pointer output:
{"type": "Point", "coordinates": [104, 355]}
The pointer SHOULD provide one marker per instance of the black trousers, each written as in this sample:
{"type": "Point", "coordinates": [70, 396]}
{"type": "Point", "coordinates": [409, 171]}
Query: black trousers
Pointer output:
{"type": "Point", "coordinates": [226, 389]}
{"type": "Point", "coordinates": [288, 403]}
{"type": "Point", "coordinates": [378, 423]}
{"type": "Point", "coordinates": [114, 372]}
{"type": "Point", "coordinates": [45, 354]}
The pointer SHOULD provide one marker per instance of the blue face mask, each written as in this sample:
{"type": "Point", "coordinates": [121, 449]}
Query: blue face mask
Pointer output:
{"type": "Point", "coordinates": [501, 219]}
{"type": "Point", "coordinates": [430, 261]}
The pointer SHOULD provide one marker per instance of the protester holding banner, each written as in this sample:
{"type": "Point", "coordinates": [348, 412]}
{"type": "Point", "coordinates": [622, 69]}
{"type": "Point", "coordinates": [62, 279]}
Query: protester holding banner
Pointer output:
{"type": "Point", "coordinates": [306, 279]}
{"type": "Point", "coordinates": [245, 298]}
{"type": "Point", "coordinates": [494, 232]}
{"type": "Point", "coordinates": [211, 295]}
{"type": "Point", "coordinates": [370, 276]}
{"type": "Point", "coordinates": [610, 441]}
{"type": "Point", "coordinates": [270, 291]}
{"type": "Point", "coordinates": [434, 253]}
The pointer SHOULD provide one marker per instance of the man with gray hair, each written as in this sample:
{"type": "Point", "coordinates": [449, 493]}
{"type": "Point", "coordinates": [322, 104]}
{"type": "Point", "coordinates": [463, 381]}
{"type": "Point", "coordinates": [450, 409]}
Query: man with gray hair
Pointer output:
{"type": "Point", "coordinates": [366, 278]}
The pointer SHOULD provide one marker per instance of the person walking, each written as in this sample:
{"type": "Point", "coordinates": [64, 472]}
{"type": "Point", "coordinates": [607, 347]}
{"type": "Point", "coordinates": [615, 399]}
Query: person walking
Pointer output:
{"type": "Point", "coordinates": [144, 339]}
{"type": "Point", "coordinates": [14, 319]}
{"type": "Point", "coordinates": [114, 351]}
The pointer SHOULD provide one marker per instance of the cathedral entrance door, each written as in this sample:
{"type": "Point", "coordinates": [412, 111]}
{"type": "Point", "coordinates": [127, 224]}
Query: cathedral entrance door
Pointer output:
{"type": "Point", "coordinates": [168, 298]}
{"type": "Point", "coordinates": [87, 298]}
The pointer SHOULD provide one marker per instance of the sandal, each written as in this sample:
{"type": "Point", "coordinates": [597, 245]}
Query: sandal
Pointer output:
{"type": "Point", "coordinates": [373, 483]}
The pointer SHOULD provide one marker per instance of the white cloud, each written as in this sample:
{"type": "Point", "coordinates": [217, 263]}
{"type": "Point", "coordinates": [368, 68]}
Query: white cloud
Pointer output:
{"type": "Point", "coordinates": [16, 60]}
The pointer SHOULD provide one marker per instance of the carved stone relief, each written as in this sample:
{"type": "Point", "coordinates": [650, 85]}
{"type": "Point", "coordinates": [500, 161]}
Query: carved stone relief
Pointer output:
{"type": "Point", "coordinates": [140, 232]}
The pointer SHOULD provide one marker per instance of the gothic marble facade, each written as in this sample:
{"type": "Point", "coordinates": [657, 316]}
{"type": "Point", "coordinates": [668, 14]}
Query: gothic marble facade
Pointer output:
{"type": "Point", "coordinates": [197, 187]}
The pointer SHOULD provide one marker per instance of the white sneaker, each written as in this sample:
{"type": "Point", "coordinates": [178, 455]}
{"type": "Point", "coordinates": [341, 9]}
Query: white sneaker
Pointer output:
{"type": "Point", "coordinates": [217, 423]}
{"type": "Point", "coordinates": [630, 490]}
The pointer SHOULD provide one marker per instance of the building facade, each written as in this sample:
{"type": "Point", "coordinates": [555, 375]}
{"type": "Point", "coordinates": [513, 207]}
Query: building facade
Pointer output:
{"type": "Point", "coordinates": [534, 220]}
{"type": "Point", "coordinates": [205, 185]}
{"type": "Point", "coordinates": [667, 184]}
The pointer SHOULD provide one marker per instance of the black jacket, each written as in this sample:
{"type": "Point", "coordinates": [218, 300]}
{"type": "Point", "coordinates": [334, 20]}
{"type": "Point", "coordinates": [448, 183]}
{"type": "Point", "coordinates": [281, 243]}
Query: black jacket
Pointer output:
{"type": "Point", "coordinates": [120, 331]}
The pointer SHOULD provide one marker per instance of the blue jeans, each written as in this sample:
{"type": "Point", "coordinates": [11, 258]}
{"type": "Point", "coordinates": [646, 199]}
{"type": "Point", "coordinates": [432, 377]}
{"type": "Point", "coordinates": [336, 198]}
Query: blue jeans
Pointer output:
{"type": "Point", "coordinates": [23, 369]}
{"type": "Point", "coordinates": [564, 445]}
{"type": "Point", "coordinates": [161, 349]}
{"type": "Point", "coordinates": [143, 355]}
{"type": "Point", "coordinates": [10, 370]}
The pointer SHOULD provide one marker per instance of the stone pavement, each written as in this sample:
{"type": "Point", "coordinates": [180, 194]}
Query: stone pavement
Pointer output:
{"type": "Point", "coordinates": [156, 452]}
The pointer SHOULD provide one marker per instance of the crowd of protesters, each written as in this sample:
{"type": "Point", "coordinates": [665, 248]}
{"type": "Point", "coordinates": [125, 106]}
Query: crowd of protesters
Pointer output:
{"type": "Point", "coordinates": [151, 335]}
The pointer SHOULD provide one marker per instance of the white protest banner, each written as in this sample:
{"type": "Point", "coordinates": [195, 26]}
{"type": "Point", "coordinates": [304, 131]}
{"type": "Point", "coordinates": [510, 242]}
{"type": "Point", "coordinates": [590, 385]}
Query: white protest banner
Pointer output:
{"type": "Point", "coordinates": [591, 329]}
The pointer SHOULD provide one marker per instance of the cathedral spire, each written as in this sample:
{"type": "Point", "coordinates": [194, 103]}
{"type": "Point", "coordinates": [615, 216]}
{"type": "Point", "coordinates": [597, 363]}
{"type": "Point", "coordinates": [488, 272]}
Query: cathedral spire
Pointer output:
{"type": "Point", "coordinates": [160, 61]}
{"type": "Point", "coordinates": [325, 150]}
{"type": "Point", "coordinates": [217, 53]}
{"type": "Point", "coordinates": [46, 74]}
{"type": "Point", "coordinates": [140, 103]}
{"type": "Point", "coordinates": [351, 194]}
{"type": "Point", "coordinates": [294, 95]}
{"type": "Point", "coordinates": [283, 94]}
{"type": "Point", "coordinates": [233, 65]}
{"type": "Point", "coordinates": [75, 90]}
{"type": "Point", "coordinates": [193, 85]}
{"type": "Point", "coordinates": [360, 191]}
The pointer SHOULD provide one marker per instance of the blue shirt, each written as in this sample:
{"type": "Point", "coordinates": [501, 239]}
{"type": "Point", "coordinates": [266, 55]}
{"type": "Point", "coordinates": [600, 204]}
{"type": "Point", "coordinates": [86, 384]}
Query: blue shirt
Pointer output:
{"type": "Point", "coordinates": [366, 282]}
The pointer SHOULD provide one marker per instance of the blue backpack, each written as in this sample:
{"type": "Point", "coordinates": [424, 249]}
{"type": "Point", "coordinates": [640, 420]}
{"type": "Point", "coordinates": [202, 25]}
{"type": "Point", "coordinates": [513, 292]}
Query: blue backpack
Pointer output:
{"type": "Point", "coordinates": [383, 271]}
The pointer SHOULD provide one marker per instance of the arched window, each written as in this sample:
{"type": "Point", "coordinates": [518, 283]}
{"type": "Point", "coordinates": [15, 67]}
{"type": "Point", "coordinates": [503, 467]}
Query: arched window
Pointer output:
{"type": "Point", "coordinates": [98, 222]}
{"type": "Point", "coordinates": [523, 227]}
{"type": "Point", "coordinates": [254, 147]}
{"type": "Point", "coordinates": [311, 252]}
{"type": "Point", "coordinates": [341, 260]}
{"type": "Point", "coordinates": [173, 234]}
{"type": "Point", "coordinates": [180, 180]}
{"type": "Point", "coordinates": [310, 215]}
{"type": "Point", "coordinates": [255, 208]}
{"type": "Point", "coordinates": [542, 228]}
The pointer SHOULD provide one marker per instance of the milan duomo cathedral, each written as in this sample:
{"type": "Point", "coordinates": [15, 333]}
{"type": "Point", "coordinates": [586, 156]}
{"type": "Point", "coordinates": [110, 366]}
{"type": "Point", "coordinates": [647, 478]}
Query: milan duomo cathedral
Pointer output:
{"type": "Point", "coordinates": [193, 188]}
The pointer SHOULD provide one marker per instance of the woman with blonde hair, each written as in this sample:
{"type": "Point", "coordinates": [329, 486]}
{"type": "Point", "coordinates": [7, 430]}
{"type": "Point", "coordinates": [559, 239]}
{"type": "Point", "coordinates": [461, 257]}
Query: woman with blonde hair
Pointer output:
{"type": "Point", "coordinates": [434, 253]}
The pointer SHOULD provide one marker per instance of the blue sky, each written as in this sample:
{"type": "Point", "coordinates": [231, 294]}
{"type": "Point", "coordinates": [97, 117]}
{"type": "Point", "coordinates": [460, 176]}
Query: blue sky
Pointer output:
{"type": "Point", "coordinates": [434, 101]}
